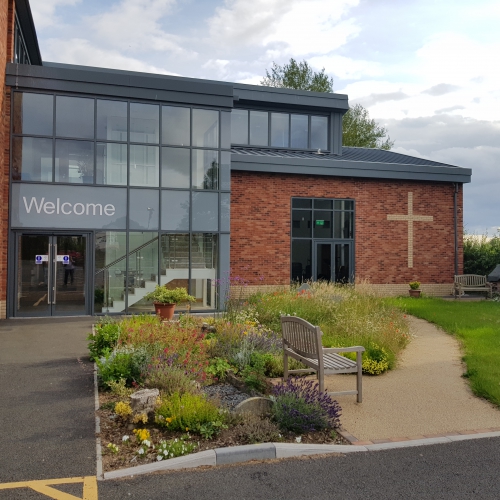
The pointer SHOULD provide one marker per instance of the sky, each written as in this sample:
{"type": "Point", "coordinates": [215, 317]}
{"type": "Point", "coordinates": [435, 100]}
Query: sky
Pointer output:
{"type": "Point", "coordinates": [426, 70]}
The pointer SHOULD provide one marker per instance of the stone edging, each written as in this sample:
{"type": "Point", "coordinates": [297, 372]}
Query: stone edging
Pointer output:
{"type": "Point", "coordinates": [267, 451]}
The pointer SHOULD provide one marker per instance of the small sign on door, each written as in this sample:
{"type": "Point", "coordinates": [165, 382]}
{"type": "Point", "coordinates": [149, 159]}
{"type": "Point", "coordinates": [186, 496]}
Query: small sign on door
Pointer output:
{"type": "Point", "coordinates": [41, 258]}
{"type": "Point", "coordinates": [63, 258]}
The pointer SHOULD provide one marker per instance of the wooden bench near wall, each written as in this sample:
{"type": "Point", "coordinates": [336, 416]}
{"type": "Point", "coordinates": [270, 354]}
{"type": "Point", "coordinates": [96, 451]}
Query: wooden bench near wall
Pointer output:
{"type": "Point", "coordinates": [471, 283]}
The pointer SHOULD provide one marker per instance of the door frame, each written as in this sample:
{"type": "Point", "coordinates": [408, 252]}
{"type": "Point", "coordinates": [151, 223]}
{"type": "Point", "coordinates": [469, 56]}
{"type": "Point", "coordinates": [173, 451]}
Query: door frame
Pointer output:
{"type": "Point", "coordinates": [332, 242]}
{"type": "Point", "coordinates": [14, 268]}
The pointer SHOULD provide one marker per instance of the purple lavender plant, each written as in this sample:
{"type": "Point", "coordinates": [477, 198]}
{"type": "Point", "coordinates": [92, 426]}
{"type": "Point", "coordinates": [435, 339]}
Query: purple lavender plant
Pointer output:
{"type": "Point", "coordinates": [299, 407]}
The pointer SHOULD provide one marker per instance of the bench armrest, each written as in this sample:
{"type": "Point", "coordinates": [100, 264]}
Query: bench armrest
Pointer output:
{"type": "Point", "coordinates": [356, 348]}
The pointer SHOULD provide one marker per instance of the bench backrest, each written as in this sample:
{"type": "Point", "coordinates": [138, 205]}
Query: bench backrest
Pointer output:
{"type": "Point", "coordinates": [302, 337]}
{"type": "Point", "coordinates": [470, 280]}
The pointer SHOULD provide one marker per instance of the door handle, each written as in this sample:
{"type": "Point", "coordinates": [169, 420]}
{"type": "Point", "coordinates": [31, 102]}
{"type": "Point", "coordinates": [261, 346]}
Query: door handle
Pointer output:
{"type": "Point", "coordinates": [54, 283]}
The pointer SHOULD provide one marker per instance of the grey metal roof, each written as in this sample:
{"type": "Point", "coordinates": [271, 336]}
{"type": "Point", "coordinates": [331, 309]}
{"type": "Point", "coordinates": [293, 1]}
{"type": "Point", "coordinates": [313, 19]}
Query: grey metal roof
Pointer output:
{"type": "Point", "coordinates": [325, 101]}
{"type": "Point", "coordinates": [354, 162]}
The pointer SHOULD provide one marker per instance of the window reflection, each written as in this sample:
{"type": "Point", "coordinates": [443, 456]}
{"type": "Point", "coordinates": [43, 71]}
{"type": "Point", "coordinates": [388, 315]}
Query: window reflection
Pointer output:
{"type": "Point", "coordinates": [144, 123]}
{"type": "Point", "coordinates": [205, 169]}
{"type": "Point", "coordinates": [33, 114]}
{"type": "Point", "coordinates": [74, 161]}
{"type": "Point", "coordinates": [31, 159]}
{"type": "Point", "coordinates": [144, 165]}
{"type": "Point", "coordinates": [175, 126]}
{"type": "Point", "coordinates": [74, 117]}
{"type": "Point", "coordinates": [111, 120]}
{"type": "Point", "coordinates": [279, 129]}
{"type": "Point", "coordinates": [111, 164]}
{"type": "Point", "coordinates": [205, 128]}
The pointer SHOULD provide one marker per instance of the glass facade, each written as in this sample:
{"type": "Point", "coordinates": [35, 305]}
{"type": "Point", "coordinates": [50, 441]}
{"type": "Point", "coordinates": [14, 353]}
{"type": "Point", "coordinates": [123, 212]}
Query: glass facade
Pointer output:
{"type": "Point", "coordinates": [148, 184]}
{"type": "Point", "coordinates": [322, 240]}
{"type": "Point", "coordinates": [279, 130]}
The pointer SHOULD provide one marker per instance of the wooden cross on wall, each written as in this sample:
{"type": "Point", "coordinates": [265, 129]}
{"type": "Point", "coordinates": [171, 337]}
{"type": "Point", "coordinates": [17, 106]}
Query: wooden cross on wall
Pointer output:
{"type": "Point", "coordinates": [410, 218]}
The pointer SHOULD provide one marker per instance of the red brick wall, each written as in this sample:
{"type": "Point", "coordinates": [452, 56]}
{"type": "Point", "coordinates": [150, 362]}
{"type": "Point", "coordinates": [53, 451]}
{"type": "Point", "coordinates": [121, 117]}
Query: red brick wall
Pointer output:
{"type": "Point", "coordinates": [260, 226]}
{"type": "Point", "coordinates": [6, 55]}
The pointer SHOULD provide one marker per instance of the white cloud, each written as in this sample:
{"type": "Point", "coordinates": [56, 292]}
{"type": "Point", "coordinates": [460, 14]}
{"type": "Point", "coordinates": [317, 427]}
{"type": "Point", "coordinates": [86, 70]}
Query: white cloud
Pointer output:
{"type": "Point", "coordinates": [290, 27]}
{"type": "Point", "coordinates": [82, 52]}
{"type": "Point", "coordinates": [347, 68]}
{"type": "Point", "coordinates": [43, 11]}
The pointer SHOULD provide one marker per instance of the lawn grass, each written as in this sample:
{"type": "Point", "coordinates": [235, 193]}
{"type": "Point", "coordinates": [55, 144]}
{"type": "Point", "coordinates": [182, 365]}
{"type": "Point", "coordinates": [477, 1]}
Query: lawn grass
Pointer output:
{"type": "Point", "coordinates": [477, 325]}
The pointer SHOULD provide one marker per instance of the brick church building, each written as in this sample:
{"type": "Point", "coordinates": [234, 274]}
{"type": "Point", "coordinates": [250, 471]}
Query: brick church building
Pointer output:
{"type": "Point", "coordinates": [115, 181]}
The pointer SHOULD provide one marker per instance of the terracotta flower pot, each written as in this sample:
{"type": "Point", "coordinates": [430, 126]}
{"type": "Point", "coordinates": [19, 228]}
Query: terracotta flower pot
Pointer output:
{"type": "Point", "coordinates": [415, 293]}
{"type": "Point", "coordinates": [165, 311]}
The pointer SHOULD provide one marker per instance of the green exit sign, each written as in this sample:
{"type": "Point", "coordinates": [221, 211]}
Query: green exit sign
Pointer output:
{"type": "Point", "coordinates": [320, 222]}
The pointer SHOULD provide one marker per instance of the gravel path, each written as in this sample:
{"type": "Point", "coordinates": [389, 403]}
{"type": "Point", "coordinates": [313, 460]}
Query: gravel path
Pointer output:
{"type": "Point", "coordinates": [426, 394]}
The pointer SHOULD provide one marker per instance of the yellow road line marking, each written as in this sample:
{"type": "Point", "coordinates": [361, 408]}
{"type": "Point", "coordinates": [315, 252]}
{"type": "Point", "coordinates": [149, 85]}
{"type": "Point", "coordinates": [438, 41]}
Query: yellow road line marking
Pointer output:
{"type": "Point", "coordinates": [43, 486]}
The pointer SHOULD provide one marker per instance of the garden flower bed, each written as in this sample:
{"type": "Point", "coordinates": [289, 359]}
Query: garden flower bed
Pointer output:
{"type": "Point", "coordinates": [188, 360]}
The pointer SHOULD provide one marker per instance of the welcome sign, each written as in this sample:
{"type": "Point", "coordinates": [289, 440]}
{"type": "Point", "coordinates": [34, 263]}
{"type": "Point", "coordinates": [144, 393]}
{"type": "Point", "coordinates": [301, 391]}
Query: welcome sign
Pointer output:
{"type": "Point", "coordinates": [68, 207]}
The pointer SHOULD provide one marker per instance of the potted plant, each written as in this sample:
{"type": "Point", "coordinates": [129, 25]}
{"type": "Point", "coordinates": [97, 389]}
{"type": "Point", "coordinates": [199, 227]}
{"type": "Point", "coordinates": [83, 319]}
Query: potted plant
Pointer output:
{"type": "Point", "coordinates": [165, 300]}
{"type": "Point", "coordinates": [415, 289]}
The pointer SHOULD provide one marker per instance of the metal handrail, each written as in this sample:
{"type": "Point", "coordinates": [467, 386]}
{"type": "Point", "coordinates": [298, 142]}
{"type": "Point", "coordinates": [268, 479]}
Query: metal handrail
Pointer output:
{"type": "Point", "coordinates": [126, 255]}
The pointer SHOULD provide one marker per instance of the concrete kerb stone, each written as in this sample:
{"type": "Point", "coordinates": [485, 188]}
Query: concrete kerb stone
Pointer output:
{"type": "Point", "coordinates": [269, 451]}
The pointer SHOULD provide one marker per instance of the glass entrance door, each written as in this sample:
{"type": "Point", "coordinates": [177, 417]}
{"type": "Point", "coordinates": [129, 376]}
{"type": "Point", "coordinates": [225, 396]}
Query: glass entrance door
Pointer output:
{"type": "Point", "coordinates": [332, 262]}
{"type": "Point", "coordinates": [51, 275]}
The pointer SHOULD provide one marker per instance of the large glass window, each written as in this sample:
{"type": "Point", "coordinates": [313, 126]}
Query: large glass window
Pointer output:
{"type": "Point", "coordinates": [175, 259]}
{"type": "Point", "coordinates": [175, 126]}
{"type": "Point", "coordinates": [205, 169]}
{"type": "Point", "coordinates": [143, 209]}
{"type": "Point", "coordinates": [33, 114]}
{"type": "Point", "coordinates": [74, 161]}
{"type": "Point", "coordinates": [204, 256]}
{"type": "Point", "coordinates": [74, 117]}
{"type": "Point", "coordinates": [112, 120]}
{"type": "Point", "coordinates": [111, 162]}
{"type": "Point", "coordinates": [259, 128]}
{"type": "Point", "coordinates": [144, 123]}
{"type": "Point", "coordinates": [31, 159]}
{"type": "Point", "coordinates": [142, 270]}
{"type": "Point", "coordinates": [239, 126]}
{"type": "Point", "coordinates": [280, 127]}
{"type": "Point", "coordinates": [175, 210]}
{"type": "Point", "coordinates": [299, 131]}
{"type": "Point", "coordinates": [144, 165]}
{"type": "Point", "coordinates": [319, 132]}
{"type": "Point", "coordinates": [205, 211]}
{"type": "Point", "coordinates": [175, 167]}
{"type": "Point", "coordinates": [205, 128]}
{"type": "Point", "coordinates": [322, 239]}
{"type": "Point", "coordinates": [110, 271]}
{"type": "Point", "coordinates": [288, 130]}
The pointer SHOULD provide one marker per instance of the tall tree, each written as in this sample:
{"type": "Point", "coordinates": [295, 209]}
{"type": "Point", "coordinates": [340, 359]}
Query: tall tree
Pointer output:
{"type": "Point", "coordinates": [298, 76]}
{"type": "Point", "coordinates": [358, 129]}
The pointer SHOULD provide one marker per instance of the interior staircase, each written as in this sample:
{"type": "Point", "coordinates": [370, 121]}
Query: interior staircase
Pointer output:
{"type": "Point", "coordinates": [175, 266]}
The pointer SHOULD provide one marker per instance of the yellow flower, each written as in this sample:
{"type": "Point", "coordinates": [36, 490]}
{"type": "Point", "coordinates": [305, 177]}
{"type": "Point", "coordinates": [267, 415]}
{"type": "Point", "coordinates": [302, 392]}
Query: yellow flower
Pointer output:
{"type": "Point", "coordinates": [187, 428]}
{"type": "Point", "coordinates": [169, 420]}
{"type": "Point", "coordinates": [123, 409]}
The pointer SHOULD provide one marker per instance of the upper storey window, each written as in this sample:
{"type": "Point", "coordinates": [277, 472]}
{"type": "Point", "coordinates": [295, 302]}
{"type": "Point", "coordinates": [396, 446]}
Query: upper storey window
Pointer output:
{"type": "Point", "coordinates": [20, 50]}
{"type": "Point", "coordinates": [278, 130]}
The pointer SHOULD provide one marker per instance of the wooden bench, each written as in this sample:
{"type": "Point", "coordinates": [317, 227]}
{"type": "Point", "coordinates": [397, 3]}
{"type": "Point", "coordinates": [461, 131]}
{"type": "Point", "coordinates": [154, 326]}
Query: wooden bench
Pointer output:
{"type": "Point", "coordinates": [302, 341]}
{"type": "Point", "coordinates": [471, 283]}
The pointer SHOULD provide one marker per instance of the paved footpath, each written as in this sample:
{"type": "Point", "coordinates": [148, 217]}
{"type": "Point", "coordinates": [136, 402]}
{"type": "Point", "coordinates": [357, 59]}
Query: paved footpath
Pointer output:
{"type": "Point", "coordinates": [46, 410]}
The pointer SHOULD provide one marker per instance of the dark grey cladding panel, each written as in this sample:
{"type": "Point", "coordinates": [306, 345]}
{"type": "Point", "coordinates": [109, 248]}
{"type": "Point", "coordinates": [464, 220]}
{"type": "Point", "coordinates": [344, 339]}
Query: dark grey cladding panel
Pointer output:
{"type": "Point", "coordinates": [290, 97]}
{"type": "Point", "coordinates": [23, 12]}
{"type": "Point", "coordinates": [344, 168]}
{"type": "Point", "coordinates": [124, 84]}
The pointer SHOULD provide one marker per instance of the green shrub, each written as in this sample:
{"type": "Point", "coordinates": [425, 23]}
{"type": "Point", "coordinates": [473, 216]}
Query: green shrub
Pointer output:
{"type": "Point", "coordinates": [188, 412]}
{"type": "Point", "coordinates": [123, 363]}
{"type": "Point", "coordinates": [218, 368]}
{"type": "Point", "coordinates": [481, 254]}
{"type": "Point", "coordinates": [104, 340]}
